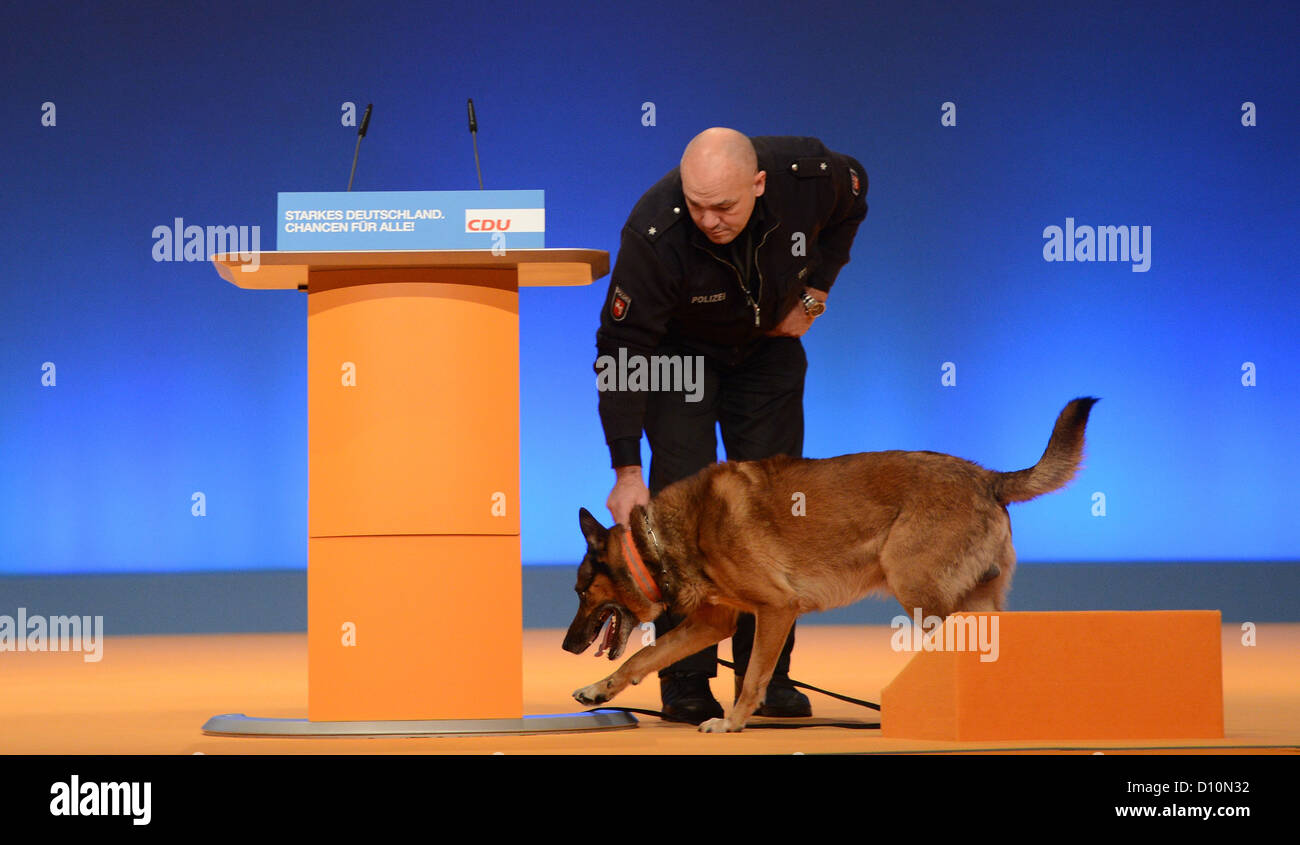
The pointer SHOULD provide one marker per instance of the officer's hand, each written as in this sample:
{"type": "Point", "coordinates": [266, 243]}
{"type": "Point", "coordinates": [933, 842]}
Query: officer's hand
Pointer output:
{"type": "Point", "coordinates": [629, 491]}
{"type": "Point", "coordinates": [795, 323]}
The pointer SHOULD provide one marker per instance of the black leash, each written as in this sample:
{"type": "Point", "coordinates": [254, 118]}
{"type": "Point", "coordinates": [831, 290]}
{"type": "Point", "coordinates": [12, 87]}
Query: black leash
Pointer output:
{"type": "Point", "coordinates": [858, 726]}
{"type": "Point", "coordinates": [868, 704]}
{"type": "Point", "coordinates": [853, 725]}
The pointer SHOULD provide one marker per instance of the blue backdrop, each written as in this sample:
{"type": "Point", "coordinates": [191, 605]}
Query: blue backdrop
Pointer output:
{"type": "Point", "coordinates": [168, 381]}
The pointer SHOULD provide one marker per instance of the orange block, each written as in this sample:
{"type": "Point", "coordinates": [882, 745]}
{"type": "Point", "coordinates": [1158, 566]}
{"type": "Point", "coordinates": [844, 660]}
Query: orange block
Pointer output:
{"type": "Point", "coordinates": [414, 627]}
{"type": "Point", "coordinates": [1075, 675]}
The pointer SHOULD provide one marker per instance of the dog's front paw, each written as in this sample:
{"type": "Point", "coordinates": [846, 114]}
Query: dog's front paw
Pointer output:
{"type": "Point", "coordinates": [718, 726]}
{"type": "Point", "coordinates": [593, 694]}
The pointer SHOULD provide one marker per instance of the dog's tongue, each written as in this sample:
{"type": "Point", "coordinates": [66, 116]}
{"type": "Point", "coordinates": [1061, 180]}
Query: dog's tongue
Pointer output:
{"type": "Point", "coordinates": [604, 635]}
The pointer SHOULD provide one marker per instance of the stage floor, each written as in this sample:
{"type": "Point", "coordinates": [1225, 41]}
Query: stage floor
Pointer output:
{"type": "Point", "coordinates": [152, 694]}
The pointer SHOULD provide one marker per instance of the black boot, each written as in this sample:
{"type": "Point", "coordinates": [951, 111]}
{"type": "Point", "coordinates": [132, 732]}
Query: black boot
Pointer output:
{"type": "Point", "coordinates": [687, 698]}
{"type": "Point", "coordinates": [782, 699]}
{"type": "Point", "coordinates": [684, 686]}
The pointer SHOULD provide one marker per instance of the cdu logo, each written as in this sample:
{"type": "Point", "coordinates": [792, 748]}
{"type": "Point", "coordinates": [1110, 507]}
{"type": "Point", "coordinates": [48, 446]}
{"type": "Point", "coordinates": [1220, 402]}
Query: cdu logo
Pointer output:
{"type": "Point", "coordinates": [505, 220]}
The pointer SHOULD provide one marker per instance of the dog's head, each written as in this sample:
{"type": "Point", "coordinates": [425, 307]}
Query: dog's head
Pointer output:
{"type": "Point", "coordinates": [609, 602]}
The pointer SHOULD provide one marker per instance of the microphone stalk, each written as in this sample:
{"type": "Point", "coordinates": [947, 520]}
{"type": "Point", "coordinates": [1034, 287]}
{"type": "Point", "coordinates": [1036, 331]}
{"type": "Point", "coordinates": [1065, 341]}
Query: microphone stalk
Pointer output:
{"type": "Point", "coordinates": [361, 133]}
{"type": "Point", "coordinates": [473, 133]}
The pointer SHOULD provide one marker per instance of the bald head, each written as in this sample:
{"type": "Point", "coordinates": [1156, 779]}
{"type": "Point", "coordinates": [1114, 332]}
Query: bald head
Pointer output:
{"type": "Point", "coordinates": [719, 148]}
{"type": "Point", "coordinates": [721, 182]}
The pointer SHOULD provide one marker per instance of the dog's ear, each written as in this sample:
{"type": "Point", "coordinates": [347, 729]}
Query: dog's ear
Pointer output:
{"type": "Point", "coordinates": [592, 529]}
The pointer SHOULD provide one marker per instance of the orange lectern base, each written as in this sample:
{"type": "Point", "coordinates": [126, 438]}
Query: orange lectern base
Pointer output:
{"type": "Point", "coordinates": [414, 627]}
{"type": "Point", "coordinates": [1089, 675]}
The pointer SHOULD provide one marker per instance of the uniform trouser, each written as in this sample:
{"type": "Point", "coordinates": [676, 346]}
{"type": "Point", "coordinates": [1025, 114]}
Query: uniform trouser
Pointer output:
{"type": "Point", "coordinates": [758, 403]}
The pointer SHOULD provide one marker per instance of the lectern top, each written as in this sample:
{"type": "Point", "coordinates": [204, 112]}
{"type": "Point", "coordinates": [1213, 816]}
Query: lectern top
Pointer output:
{"type": "Point", "coordinates": [535, 267]}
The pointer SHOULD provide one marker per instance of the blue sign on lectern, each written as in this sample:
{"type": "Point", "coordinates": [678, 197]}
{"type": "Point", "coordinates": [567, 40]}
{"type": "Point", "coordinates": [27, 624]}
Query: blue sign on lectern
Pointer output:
{"type": "Point", "coordinates": [333, 221]}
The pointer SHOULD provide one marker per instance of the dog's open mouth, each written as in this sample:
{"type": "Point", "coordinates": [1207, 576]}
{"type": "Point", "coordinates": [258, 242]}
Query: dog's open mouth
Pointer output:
{"type": "Point", "coordinates": [606, 639]}
{"type": "Point", "coordinates": [608, 626]}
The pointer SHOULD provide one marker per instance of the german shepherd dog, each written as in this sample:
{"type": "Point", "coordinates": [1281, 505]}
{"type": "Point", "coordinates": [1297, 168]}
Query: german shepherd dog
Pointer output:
{"type": "Point", "coordinates": [784, 536]}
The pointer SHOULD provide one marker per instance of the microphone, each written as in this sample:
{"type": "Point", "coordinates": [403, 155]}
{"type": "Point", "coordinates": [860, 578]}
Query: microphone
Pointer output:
{"type": "Point", "coordinates": [473, 133]}
{"type": "Point", "coordinates": [361, 133]}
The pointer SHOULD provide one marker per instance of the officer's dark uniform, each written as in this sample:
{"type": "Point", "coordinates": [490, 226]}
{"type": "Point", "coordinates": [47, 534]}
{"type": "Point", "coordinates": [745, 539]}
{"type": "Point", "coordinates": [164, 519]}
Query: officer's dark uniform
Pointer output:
{"type": "Point", "coordinates": [674, 292]}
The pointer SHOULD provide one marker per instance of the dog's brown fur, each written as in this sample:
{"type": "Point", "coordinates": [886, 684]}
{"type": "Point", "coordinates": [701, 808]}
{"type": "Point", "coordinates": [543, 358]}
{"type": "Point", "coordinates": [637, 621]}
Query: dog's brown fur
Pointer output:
{"type": "Point", "coordinates": [932, 530]}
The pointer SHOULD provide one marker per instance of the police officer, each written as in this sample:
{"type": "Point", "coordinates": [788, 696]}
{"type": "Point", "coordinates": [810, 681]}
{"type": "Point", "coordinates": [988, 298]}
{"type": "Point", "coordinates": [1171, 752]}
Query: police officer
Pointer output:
{"type": "Point", "coordinates": [727, 259]}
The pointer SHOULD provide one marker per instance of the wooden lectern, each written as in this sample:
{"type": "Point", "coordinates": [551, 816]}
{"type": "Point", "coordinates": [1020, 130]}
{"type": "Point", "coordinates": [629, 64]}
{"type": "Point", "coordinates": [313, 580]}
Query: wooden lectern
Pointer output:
{"type": "Point", "coordinates": [414, 596]}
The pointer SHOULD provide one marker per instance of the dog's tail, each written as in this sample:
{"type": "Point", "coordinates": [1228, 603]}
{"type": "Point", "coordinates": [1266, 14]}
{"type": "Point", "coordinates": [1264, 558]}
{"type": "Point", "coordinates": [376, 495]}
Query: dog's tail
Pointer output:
{"type": "Point", "coordinates": [1059, 462]}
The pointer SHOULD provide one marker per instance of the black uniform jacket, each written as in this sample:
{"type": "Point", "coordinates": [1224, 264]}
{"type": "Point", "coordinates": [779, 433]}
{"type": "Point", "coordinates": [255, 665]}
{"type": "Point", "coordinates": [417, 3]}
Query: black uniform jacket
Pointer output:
{"type": "Point", "coordinates": [671, 286]}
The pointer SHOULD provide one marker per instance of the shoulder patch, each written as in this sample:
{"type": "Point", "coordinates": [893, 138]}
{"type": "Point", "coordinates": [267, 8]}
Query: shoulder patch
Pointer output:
{"type": "Point", "coordinates": [619, 303]}
{"type": "Point", "coordinates": [663, 221]}
{"type": "Point", "coordinates": [809, 168]}
{"type": "Point", "coordinates": [854, 182]}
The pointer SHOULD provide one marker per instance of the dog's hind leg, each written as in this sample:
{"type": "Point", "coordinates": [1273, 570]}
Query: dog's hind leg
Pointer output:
{"type": "Point", "coordinates": [990, 594]}
{"type": "Point", "coordinates": [919, 565]}
{"type": "Point", "coordinates": [704, 627]}
{"type": "Point", "coordinates": [771, 627]}
{"type": "Point", "coordinates": [923, 600]}
{"type": "Point", "coordinates": [987, 597]}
